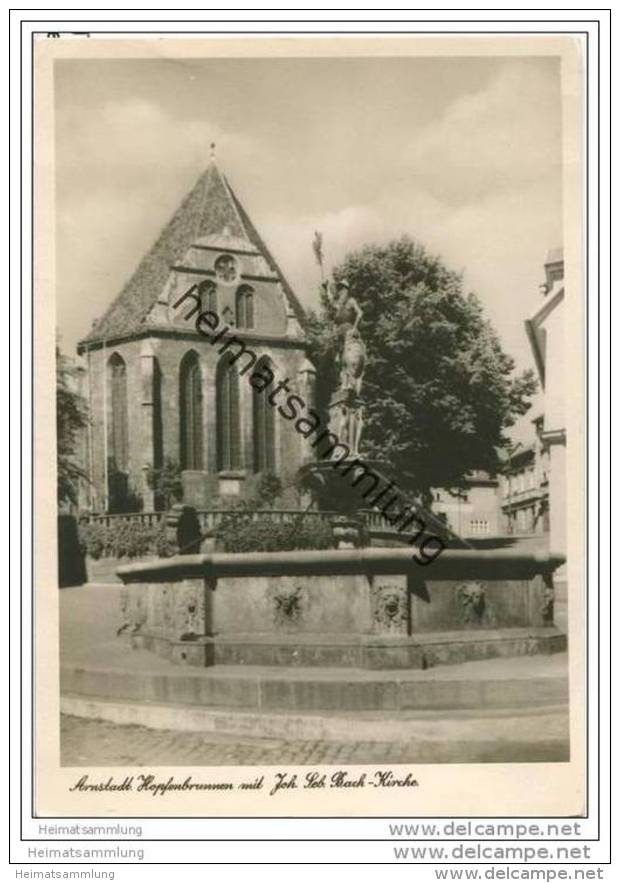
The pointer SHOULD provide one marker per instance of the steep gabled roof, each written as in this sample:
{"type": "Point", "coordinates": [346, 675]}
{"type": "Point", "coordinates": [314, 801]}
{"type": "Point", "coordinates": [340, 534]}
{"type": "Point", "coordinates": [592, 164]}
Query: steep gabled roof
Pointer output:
{"type": "Point", "coordinates": [209, 208]}
{"type": "Point", "coordinates": [256, 240]}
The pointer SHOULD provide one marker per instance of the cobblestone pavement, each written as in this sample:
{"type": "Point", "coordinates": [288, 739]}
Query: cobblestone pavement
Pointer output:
{"type": "Point", "coordinates": [86, 742]}
{"type": "Point", "coordinates": [100, 743]}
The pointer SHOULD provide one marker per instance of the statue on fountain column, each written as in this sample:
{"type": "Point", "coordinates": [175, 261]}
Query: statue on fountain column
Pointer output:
{"type": "Point", "coordinates": [352, 352]}
{"type": "Point", "coordinates": [351, 357]}
{"type": "Point", "coordinates": [348, 420]}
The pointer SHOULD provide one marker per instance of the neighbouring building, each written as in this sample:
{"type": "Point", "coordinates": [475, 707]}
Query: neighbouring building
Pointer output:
{"type": "Point", "coordinates": [524, 488]}
{"type": "Point", "coordinates": [160, 391]}
{"type": "Point", "coordinates": [473, 511]}
{"type": "Point", "coordinates": [545, 330]}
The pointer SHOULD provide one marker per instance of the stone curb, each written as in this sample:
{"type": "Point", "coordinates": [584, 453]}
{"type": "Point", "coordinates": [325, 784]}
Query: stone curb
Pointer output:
{"type": "Point", "coordinates": [548, 725]}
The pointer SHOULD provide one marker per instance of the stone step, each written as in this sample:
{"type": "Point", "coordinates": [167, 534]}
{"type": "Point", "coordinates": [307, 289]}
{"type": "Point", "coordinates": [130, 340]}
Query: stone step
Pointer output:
{"type": "Point", "coordinates": [430, 737]}
{"type": "Point", "coordinates": [291, 689]}
{"type": "Point", "coordinates": [420, 651]}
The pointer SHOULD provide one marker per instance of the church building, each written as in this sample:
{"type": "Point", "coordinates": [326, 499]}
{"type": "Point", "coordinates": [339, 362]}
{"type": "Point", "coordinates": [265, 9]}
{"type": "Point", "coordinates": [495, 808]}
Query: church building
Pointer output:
{"type": "Point", "coordinates": [159, 391]}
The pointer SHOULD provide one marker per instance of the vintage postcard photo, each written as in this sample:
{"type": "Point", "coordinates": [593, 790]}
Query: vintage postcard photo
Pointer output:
{"type": "Point", "coordinates": [309, 422]}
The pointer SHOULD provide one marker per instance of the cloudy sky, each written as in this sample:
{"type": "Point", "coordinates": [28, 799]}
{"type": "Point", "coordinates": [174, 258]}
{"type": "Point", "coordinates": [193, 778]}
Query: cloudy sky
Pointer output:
{"type": "Point", "coordinates": [463, 154]}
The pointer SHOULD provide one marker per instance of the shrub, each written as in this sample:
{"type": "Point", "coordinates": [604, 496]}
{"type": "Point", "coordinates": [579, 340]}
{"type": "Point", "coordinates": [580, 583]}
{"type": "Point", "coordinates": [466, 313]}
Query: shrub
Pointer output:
{"type": "Point", "coordinates": [268, 490]}
{"type": "Point", "coordinates": [92, 539]}
{"type": "Point", "coordinates": [164, 548]}
{"type": "Point", "coordinates": [239, 533]}
{"type": "Point", "coordinates": [122, 538]}
{"type": "Point", "coordinates": [167, 483]}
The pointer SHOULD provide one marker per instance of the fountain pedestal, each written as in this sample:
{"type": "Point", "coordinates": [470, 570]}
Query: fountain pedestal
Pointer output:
{"type": "Point", "coordinates": [351, 608]}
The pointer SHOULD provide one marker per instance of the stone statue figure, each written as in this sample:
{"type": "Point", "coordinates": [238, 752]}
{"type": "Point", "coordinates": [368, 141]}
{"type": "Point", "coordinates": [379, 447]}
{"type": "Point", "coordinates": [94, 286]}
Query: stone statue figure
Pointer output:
{"type": "Point", "coordinates": [348, 311]}
{"type": "Point", "coordinates": [351, 357]}
{"type": "Point", "coordinates": [348, 421]}
{"type": "Point", "coordinates": [352, 352]}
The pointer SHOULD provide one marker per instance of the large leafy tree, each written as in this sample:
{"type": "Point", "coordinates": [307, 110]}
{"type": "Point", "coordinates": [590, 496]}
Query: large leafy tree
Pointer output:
{"type": "Point", "coordinates": [71, 420]}
{"type": "Point", "coordinates": [440, 391]}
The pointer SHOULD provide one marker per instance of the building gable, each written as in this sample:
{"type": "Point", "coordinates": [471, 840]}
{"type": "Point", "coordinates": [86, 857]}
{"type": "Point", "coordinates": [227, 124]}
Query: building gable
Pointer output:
{"type": "Point", "coordinates": [209, 223]}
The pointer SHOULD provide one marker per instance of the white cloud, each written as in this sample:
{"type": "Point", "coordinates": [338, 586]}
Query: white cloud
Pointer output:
{"type": "Point", "coordinates": [121, 173]}
{"type": "Point", "coordinates": [132, 143]}
{"type": "Point", "coordinates": [503, 136]}
{"type": "Point", "coordinates": [498, 243]}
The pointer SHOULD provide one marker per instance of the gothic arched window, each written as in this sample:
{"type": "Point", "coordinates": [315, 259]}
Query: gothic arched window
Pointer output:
{"type": "Point", "coordinates": [244, 304]}
{"type": "Point", "coordinates": [190, 399]}
{"type": "Point", "coordinates": [207, 292]}
{"type": "Point", "coordinates": [118, 433]}
{"type": "Point", "coordinates": [228, 417]}
{"type": "Point", "coordinates": [263, 426]}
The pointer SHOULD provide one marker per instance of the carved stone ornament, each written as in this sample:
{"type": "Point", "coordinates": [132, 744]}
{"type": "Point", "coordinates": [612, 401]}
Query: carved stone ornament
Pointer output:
{"type": "Point", "coordinates": [390, 608]}
{"type": "Point", "coordinates": [288, 607]}
{"type": "Point", "coordinates": [226, 269]}
{"type": "Point", "coordinates": [473, 602]}
{"type": "Point", "coordinates": [546, 605]}
{"type": "Point", "coordinates": [189, 612]}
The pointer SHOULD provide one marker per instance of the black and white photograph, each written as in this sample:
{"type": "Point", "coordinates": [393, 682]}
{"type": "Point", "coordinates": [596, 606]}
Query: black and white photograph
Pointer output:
{"type": "Point", "coordinates": [319, 391]}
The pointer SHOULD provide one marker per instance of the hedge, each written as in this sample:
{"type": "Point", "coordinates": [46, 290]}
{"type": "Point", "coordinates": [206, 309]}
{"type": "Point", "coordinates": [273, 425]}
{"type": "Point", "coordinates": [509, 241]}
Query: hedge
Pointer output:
{"type": "Point", "coordinates": [238, 533]}
{"type": "Point", "coordinates": [124, 539]}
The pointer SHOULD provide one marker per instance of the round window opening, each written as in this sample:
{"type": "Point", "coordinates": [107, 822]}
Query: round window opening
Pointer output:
{"type": "Point", "coordinates": [226, 269]}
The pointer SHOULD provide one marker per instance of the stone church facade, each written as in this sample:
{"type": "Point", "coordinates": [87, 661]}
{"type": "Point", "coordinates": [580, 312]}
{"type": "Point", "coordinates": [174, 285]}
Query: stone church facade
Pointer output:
{"type": "Point", "coordinates": [159, 391]}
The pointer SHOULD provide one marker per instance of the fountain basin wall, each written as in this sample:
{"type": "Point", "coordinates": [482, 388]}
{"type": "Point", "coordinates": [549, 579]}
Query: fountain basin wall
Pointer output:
{"type": "Point", "coordinates": [354, 608]}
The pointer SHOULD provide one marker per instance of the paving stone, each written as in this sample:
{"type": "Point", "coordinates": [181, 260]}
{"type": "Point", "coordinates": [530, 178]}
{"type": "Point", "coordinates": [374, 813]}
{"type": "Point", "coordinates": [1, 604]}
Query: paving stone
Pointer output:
{"type": "Point", "coordinates": [101, 743]}
{"type": "Point", "coordinates": [88, 742]}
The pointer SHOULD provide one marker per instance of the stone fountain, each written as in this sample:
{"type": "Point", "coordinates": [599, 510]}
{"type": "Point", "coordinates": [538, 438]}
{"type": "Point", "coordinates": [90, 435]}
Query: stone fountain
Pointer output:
{"type": "Point", "coordinates": [349, 607]}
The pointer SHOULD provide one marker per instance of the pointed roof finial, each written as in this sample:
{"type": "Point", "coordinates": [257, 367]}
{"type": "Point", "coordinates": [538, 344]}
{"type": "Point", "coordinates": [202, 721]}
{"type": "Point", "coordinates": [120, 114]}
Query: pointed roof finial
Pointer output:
{"type": "Point", "coordinates": [212, 151]}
